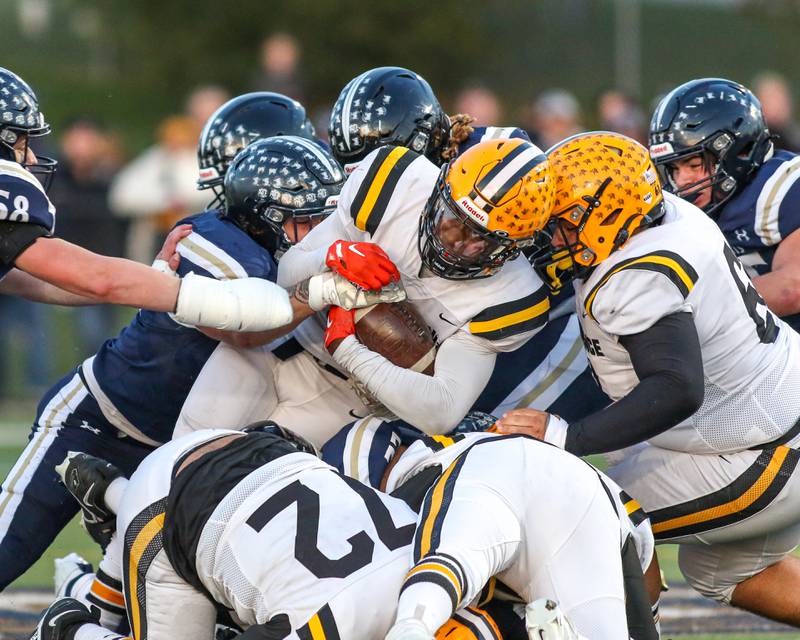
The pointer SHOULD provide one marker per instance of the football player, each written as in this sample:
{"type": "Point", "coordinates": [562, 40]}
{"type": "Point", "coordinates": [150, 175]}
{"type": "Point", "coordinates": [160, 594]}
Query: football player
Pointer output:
{"type": "Point", "coordinates": [705, 378]}
{"type": "Point", "coordinates": [455, 235]}
{"type": "Point", "coordinates": [124, 401]}
{"type": "Point", "coordinates": [395, 106]}
{"type": "Point", "coordinates": [518, 483]}
{"type": "Point", "coordinates": [712, 147]}
{"type": "Point", "coordinates": [253, 524]}
{"type": "Point", "coordinates": [460, 283]}
{"type": "Point", "coordinates": [35, 265]}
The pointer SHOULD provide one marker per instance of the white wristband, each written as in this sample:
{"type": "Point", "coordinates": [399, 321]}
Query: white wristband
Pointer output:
{"type": "Point", "coordinates": [163, 267]}
{"type": "Point", "coordinates": [245, 304]}
{"type": "Point", "coordinates": [556, 431]}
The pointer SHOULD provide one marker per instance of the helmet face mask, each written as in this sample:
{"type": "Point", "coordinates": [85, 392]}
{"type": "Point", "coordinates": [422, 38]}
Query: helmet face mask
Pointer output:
{"type": "Point", "coordinates": [720, 119]}
{"type": "Point", "coordinates": [454, 247]}
{"type": "Point", "coordinates": [486, 207]}
{"type": "Point", "coordinates": [607, 189]}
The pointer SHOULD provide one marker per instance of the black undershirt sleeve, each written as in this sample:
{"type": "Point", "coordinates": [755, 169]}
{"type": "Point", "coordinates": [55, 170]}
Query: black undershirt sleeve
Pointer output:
{"type": "Point", "coordinates": [667, 360]}
{"type": "Point", "coordinates": [15, 237]}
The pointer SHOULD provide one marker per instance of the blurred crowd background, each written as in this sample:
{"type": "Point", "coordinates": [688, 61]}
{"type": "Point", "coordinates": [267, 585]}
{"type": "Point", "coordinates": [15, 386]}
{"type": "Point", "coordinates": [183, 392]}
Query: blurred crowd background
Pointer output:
{"type": "Point", "coordinates": [127, 87]}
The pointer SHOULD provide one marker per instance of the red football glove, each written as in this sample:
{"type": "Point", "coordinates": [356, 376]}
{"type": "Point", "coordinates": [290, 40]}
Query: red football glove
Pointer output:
{"type": "Point", "coordinates": [340, 325]}
{"type": "Point", "coordinates": [362, 263]}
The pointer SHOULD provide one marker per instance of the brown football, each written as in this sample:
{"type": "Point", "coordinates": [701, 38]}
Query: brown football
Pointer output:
{"type": "Point", "coordinates": [398, 332]}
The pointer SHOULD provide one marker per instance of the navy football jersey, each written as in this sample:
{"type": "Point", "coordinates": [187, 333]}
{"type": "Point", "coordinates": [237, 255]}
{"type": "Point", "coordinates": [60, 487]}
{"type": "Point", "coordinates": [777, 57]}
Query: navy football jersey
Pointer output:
{"type": "Point", "coordinates": [481, 134]}
{"type": "Point", "coordinates": [755, 220]}
{"type": "Point", "coordinates": [23, 201]}
{"type": "Point", "coordinates": [146, 372]}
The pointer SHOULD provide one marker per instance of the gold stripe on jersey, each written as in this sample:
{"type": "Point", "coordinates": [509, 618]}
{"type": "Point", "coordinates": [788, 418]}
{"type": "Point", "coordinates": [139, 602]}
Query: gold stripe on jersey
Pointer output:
{"type": "Point", "coordinates": [438, 568]}
{"type": "Point", "coordinates": [321, 626]}
{"type": "Point", "coordinates": [434, 509]}
{"type": "Point", "coordinates": [461, 627]}
{"type": "Point", "coordinates": [764, 230]}
{"type": "Point", "coordinates": [510, 318]}
{"type": "Point", "coordinates": [530, 397]}
{"type": "Point", "coordinates": [670, 264]}
{"type": "Point", "coordinates": [143, 542]}
{"type": "Point", "coordinates": [748, 494]}
{"type": "Point", "coordinates": [229, 273]}
{"type": "Point", "coordinates": [376, 189]}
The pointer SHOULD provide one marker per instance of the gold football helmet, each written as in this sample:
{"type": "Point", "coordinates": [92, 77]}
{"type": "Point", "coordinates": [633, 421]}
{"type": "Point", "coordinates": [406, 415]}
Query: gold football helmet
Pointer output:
{"type": "Point", "coordinates": [487, 205]}
{"type": "Point", "coordinates": [606, 190]}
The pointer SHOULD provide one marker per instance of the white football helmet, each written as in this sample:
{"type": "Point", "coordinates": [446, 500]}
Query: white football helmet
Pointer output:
{"type": "Point", "coordinates": [545, 620]}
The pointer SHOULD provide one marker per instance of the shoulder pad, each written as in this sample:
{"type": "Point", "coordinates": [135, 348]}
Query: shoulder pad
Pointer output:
{"type": "Point", "coordinates": [513, 317]}
{"type": "Point", "coordinates": [677, 270]}
{"type": "Point", "coordinates": [383, 171]}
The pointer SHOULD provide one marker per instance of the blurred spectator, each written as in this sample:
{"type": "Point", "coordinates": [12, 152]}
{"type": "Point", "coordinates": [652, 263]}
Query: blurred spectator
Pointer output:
{"type": "Point", "coordinates": [279, 72]}
{"type": "Point", "coordinates": [203, 101]}
{"type": "Point", "coordinates": [159, 187]}
{"type": "Point", "coordinates": [619, 112]}
{"type": "Point", "coordinates": [25, 329]}
{"type": "Point", "coordinates": [481, 103]}
{"type": "Point", "coordinates": [773, 92]}
{"type": "Point", "coordinates": [555, 115]}
{"type": "Point", "coordinates": [88, 160]}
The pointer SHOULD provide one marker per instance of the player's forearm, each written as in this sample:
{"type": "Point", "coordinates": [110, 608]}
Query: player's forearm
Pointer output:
{"type": "Point", "coordinates": [100, 278]}
{"type": "Point", "coordinates": [780, 290]}
{"type": "Point", "coordinates": [298, 297]}
{"type": "Point", "coordinates": [307, 258]}
{"type": "Point", "coordinates": [24, 285]}
{"type": "Point", "coordinates": [668, 363]}
{"type": "Point", "coordinates": [439, 401]}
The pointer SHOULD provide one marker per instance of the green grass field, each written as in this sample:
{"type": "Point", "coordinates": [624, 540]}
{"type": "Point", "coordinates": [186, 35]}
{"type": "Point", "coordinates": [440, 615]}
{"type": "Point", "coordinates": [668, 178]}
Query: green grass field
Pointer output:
{"type": "Point", "coordinates": [13, 436]}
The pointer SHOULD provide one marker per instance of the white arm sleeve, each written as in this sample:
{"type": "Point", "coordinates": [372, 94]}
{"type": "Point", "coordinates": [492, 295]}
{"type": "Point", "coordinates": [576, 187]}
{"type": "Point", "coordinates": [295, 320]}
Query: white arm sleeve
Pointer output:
{"type": "Point", "coordinates": [307, 258]}
{"type": "Point", "coordinates": [235, 388]}
{"type": "Point", "coordinates": [463, 366]}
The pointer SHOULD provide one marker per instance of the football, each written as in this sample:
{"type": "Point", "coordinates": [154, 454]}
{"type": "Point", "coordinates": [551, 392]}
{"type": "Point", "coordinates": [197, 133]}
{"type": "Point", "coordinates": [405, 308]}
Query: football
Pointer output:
{"type": "Point", "coordinates": [399, 334]}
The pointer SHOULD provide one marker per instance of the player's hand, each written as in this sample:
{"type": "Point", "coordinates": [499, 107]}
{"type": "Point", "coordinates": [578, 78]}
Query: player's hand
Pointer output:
{"type": "Point", "coordinates": [332, 289]}
{"type": "Point", "coordinates": [529, 422]}
{"type": "Point", "coordinates": [362, 263]}
{"type": "Point", "coordinates": [340, 325]}
{"type": "Point", "coordinates": [169, 250]}
{"type": "Point", "coordinates": [62, 619]}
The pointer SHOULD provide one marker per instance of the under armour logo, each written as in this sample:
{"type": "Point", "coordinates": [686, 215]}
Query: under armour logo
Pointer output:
{"type": "Point", "coordinates": [741, 235]}
{"type": "Point", "coordinates": [86, 425]}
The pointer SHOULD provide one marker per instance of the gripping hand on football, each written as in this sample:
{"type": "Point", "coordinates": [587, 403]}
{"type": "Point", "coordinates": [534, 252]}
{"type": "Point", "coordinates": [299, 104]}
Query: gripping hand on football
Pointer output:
{"type": "Point", "coordinates": [332, 289]}
{"type": "Point", "coordinates": [362, 263]}
{"type": "Point", "coordinates": [340, 325]}
{"type": "Point", "coordinates": [532, 422]}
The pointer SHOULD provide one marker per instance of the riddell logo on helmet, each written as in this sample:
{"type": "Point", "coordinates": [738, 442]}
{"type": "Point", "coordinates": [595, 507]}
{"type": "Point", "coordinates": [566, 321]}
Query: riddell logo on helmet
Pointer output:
{"type": "Point", "coordinates": [658, 150]}
{"type": "Point", "coordinates": [471, 209]}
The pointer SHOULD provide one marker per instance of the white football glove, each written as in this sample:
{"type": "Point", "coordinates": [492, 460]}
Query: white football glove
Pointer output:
{"type": "Point", "coordinates": [556, 430]}
{"type": "Point", "coordinates": [330, 288]}
{"type": "Point", "coordinates": [545, 620]}
{"type": "Point", "coordinates": [409, 629]}
{"type": "Point", "coordinates": [244, 304]}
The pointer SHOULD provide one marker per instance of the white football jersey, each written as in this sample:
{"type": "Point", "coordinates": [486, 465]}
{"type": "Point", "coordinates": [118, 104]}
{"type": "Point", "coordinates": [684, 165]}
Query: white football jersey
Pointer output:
{"type": "Point", "coordinates": [751, 359]}
{"type": "Point", "coordinates": [296, 538]}
{"type": "Point", "coordinates": [381, 202]}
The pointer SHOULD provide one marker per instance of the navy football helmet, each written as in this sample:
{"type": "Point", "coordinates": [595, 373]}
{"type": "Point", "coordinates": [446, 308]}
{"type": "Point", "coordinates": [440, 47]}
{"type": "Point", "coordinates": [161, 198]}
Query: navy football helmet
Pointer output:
{"type": "Point", "coordinates": [720, 120]}
{"type": "Point", "coordinates": [20, 116]}
{"type": "Point", "coordinates": [279, 179]}
{"type": "Point", "coordinates": [239, 122]}
{"type": "Point", "coordinates": [387, 106]}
